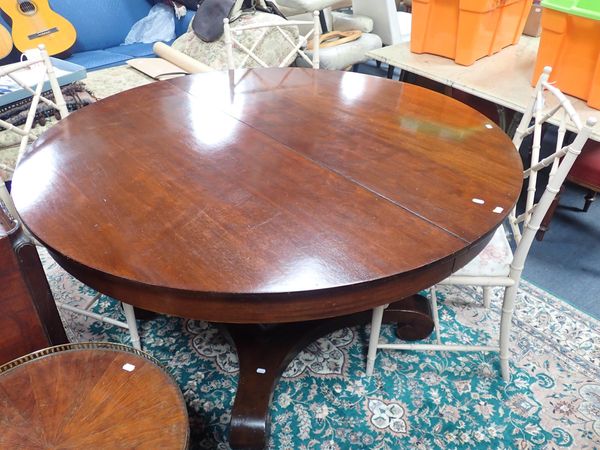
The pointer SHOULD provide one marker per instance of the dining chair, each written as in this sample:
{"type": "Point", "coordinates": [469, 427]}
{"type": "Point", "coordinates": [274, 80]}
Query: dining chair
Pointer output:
{"type": "Point", "coordinates": [497, 265]}
{"type": "Point", "coordinates": [39, 67]}
{"type": "Point", "coordinates": [236, 47]}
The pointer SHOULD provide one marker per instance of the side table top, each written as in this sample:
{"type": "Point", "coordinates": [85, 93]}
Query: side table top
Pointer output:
{"type": "Point", "coordinates": [267, 195]}
{"type": "Point", "coordinates": [91, 395]}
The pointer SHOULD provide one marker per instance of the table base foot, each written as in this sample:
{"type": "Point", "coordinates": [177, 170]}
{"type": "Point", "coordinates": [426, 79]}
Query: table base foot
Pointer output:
{"type": "Point", "coordinates": [264, 351]}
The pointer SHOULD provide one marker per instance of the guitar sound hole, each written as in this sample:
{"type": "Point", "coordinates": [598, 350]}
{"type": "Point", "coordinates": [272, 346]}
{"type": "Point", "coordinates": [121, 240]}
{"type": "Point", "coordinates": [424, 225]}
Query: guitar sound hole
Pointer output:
{"type": "Point", "coordinates": [27, 7]}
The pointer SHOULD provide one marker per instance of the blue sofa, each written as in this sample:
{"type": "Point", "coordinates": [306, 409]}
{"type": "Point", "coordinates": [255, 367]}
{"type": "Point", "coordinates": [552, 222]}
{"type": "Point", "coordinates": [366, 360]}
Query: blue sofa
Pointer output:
{"type": "Point", "coordinates": [102, 26]}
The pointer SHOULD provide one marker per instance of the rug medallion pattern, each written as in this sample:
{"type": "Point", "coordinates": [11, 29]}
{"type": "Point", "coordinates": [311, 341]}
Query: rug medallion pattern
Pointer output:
{"type": "Point", "coordinates": [417, 400]}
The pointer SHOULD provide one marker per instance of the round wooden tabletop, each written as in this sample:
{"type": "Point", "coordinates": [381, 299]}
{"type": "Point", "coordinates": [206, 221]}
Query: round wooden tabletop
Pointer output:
{"type": "Point", "coordinates": [270, 195]}
{"type": "Point", "coordinates": [90, 395]}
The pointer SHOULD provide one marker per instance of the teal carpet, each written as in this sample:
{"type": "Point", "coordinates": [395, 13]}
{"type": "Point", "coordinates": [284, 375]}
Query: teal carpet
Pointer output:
{"type": "Point", "coordinates": [415, 400]}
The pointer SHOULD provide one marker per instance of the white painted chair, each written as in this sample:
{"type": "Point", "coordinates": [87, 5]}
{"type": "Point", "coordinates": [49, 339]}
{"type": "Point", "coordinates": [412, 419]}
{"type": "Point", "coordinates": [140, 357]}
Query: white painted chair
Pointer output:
{"type": "Point", "coordinates": [41, 63]}
{"type": "Point", "coordinates": [297, 47]}
{"type": "Point", "coordinates": [344, 55]}
{"type": "Point", "coordinates": [42, 67]}
{"type": "Point", "coordinates": [496, 265]}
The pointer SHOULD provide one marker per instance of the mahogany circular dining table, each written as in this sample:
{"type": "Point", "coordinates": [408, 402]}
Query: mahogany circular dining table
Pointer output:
{"type": "Point", "coordinates": [269, 196]}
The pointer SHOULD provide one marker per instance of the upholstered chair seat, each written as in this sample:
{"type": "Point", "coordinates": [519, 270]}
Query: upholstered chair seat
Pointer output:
{"type": "Point", "coordinates": [586, 171]}
{"type": "Point", "coordinates": [493, 261]}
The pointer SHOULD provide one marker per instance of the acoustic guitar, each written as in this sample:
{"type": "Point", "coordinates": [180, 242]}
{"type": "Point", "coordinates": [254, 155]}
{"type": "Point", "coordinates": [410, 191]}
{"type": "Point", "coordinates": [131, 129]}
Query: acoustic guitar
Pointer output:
{"type": "Point", "coordinates": [34, 23]}
{"type": "Point", "coordinates": [6, 43]}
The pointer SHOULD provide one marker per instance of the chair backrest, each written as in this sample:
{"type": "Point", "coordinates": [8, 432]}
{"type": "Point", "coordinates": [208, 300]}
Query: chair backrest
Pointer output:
{"type": "Point", "coordinates": [297, 47]}
{"type": "Point", "coordinates": [546, 101]}
{"type": "Point", "coordinates": [37, 67]}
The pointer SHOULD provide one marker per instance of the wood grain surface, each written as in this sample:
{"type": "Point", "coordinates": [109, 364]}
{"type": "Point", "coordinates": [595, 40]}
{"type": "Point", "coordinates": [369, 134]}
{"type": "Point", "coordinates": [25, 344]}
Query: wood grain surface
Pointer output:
{"type": "Point", "coordinates": [28, 317]}
{"type": "Point", "coordinates": [85, 398]}
{"type": "Point", "coordinates": [270, 195]}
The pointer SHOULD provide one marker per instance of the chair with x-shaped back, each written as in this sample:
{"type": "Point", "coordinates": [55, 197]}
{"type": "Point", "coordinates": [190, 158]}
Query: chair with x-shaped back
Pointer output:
{"type": "Point", "coordinates": [294, 42]}
{"type": "Point", "coordinates": [39, 66]}
{"type": "Point", "coordinates": [497, 265]}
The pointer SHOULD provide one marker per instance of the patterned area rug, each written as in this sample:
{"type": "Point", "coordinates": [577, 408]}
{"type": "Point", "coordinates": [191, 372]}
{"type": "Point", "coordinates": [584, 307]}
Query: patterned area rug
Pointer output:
{"type": "Point", "coordinates": [415, 400]}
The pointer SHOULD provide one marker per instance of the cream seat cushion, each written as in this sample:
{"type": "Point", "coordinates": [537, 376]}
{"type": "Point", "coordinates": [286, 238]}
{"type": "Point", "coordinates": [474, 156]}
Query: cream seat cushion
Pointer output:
{"type": "Point", "coordinates": [493, 261]}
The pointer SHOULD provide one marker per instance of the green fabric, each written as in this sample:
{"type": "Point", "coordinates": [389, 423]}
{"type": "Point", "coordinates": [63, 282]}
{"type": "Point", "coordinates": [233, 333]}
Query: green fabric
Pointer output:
{"type": "Point", "coordinates": [589, 9]}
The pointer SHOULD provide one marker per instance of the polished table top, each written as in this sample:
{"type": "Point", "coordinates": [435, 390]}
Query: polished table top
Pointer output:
{"type": "Point", "coordinates": [487, 78]}
{"type": "Point", "coordinates": [267, 195]}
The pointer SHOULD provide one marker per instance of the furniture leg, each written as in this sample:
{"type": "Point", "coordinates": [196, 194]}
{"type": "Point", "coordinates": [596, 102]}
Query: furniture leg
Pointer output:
{"type": "Point", "coordinates": [130, 317]}
{"type": "Point", "coordinates": [502, 117]}
{"type": "Point", "coordinates": [545, 225]}
{"type": "Point", "coordinates": [264, 351]}
{"type": "Point", "coordinates": [487, 296]}
{"type": "Point", "coordinates": [324, 28]}
{"type": "Point", "coordinates": [590, 197]}
{"type": "Point", "coordinates": [374, 338]}
{"type": "Point", "coordinates": [390, 72]}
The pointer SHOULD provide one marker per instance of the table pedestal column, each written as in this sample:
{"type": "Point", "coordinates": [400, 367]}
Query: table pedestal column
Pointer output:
{"type": "Point", "coordinates": [264, 351]}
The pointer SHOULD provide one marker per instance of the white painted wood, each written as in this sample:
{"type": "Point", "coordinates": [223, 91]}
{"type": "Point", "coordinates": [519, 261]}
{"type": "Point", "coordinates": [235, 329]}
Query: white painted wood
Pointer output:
{"type": "Point", "coordinates": [487, 296]}
{"type": "Point", "coordinates": [436, 317]}
{"type": "Point", "coordinates": [298, 48]}
{"type": "Point", "coordinates": [131, 325]}
{"type": "Point", "coordinates": [374, 338]}
{"type": "Point", "coordinates": [486, 78]}
{"type": "Point", "coordinates": [58, 103]}
{"type": "Point", "coordinates": [525, 226]}
{"type": "Point", "coordinates": [440, 348]}
{"type": "Point", "coordinates": [92, 315]}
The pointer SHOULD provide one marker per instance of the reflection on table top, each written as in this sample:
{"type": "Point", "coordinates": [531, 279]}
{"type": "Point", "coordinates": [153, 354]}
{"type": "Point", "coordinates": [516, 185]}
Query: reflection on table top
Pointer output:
{"type": "Point", "coordinates": [503, 78]}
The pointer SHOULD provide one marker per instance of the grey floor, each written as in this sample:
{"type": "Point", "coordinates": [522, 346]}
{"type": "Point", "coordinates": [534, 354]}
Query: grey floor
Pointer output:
{"type": "Point", "coordinates": [567, 262]}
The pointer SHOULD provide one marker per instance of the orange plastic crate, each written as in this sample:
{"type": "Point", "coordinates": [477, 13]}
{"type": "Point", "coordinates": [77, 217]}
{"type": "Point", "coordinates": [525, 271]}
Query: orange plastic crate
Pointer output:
{"type": "Point", "coordinates": [570, 44]}
{"type": "Point", "coordinates": [466, 30]}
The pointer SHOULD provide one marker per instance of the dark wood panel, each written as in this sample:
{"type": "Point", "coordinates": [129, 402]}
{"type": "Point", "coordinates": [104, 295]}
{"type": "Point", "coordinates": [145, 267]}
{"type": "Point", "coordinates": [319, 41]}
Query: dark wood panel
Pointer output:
{"type": "Point", "coordinates": [28, 317]}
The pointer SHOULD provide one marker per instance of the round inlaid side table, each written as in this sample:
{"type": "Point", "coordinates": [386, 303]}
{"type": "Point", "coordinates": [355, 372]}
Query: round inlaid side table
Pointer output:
{"type": "Point", "coordinates": [90, 395]}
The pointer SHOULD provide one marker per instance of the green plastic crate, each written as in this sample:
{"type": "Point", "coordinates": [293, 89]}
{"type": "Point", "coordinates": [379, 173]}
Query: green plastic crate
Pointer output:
{"type": "Point", "coordinates": [590, 9]}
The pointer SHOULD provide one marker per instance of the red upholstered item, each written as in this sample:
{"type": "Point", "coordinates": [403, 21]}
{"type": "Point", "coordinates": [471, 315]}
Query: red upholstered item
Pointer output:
{"type": "Point", "coordinates": [586, 170]}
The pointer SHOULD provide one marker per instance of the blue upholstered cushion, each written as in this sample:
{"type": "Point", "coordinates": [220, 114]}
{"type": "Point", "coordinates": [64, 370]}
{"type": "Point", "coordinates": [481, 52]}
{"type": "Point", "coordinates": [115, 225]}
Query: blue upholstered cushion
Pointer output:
{"type": "Point", "coordinates": [101, 24]}
{"type": "Point", "coordinates": [98, 59]}
{"type": "Point", "coordinates": [133, 50]}
{"type": "Point", "coordinates": [181, 26]}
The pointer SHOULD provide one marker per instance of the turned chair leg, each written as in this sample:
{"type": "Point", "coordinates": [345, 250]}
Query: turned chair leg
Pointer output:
{"type": "Point", "coordinates": [590, 197]}
{"type": "Point", "coordinates": [130, 318]}
{"type": "Point", "coordinates": [487, 296]}
{"type": "Point", "coordinates": [545, 225]}
{"type": "Point", "coordinates": [508, 306]}
{"type": "Point", "coordinates": [374, 338]}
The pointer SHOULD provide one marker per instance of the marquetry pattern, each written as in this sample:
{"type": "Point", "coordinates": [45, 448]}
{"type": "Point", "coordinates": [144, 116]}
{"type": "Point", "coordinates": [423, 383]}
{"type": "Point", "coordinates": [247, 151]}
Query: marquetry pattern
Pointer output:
{"type": "Point", "coordinates": [91, 395]}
